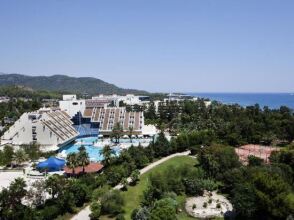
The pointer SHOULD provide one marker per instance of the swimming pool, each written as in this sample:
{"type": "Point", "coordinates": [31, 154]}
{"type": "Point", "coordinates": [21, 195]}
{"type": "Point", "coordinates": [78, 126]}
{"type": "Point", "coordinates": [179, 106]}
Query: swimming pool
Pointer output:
{"type": "Point", "coordinates": [92, 145]}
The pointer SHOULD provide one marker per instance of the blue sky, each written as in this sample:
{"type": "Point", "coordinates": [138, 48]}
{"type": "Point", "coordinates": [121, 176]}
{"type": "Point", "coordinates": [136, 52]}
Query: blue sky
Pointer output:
{"type": "Point", "coordinates": [156, 45]}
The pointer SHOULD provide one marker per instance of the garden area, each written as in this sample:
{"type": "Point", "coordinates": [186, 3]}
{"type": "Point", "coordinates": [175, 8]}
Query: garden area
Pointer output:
{"type": "Point", "coordinates": [134, 194]}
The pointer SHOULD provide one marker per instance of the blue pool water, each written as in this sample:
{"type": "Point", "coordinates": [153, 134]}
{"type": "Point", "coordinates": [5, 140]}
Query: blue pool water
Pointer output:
{"type": "Point", "coordinates": [95, 152]}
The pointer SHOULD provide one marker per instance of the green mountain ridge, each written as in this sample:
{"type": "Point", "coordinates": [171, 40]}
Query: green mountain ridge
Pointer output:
{"type": "Point", "coordinates": [67, 84]}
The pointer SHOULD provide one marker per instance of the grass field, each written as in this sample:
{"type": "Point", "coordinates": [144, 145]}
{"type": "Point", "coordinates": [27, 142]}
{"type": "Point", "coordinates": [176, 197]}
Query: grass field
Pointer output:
{"type": "Point", "coordinates": [134, 193]}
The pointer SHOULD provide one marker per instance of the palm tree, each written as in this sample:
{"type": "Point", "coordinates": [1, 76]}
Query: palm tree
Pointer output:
{"type": "Point", "coordinates": [82, 148]}
{"type": "Point", "coordinates": [72, 161]}
{"type": "Point", "coordinates": [20, 156]}
{"type": "Point", "coordinates": [83, 158]}
{"type": "Point", "coordinates": [117, 132]}
{"type": "Point", "coordinates": [131, 129]}
{"type": "Point", "coordinates": [107, 152]}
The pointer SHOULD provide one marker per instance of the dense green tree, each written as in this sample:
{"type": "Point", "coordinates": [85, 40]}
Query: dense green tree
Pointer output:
{"type": "Point", "coordinates": [20, 156]}
{"type": "Point", "coordinates": [1, 158]}
{"type": "Point", "coordinates": [107, 154]}
{"type": "Point", "coordinates": [83, 158]}
{"type": "Point", "coordinates": [151, 112]}
{"type": "Point", "coordinates": [164, 209]}
{"type": "Point", "coordinates": [254, 161]}
{"type": "Point", "coordinates": [117, 132]}
{"type": "Point", "coordinates": [141, 214]}
{"type": "Point", "coordinates": [135, 176]}
{"type": "Point", "coordinates": [232, 124]}
{"type": "Point", "coordinates": [285, 156]}
{"type": "Point", "coordinates": [7, 155]}
{"type": "Point", "coordinates": [37, 193]}
{"type": "Point", "coordinates": [72, 161]}
{"type": "Point", "coordinates": [244, 200]}
{"type": "Point", "coordinates": [11, 206]}
{"type": "Point", "coordinates": [81, 193]}
{"type": "Point", "coordinates": [55, 184]}
{"type": "Point", "coordinates": [112, 202]}
{"type": "Point", "coordinates": [138, 156]}
{"type": "Point", "coordinates": [115, 173]}
{"type": "Point", "coordinates": [32, 150]}
{"type": "Point", "coordinates": [272, 191]}
{"type": "Point", "coordinates": [124, 182]}
{"type": "Point", "coordinates": [217, 159]}
{"type": "Point", "coordinates": [162, 146]}
{"type": "Point", "coordinates": [95, 208]}
{"type": "Point", "coordinates": [131, 131]}
{"type": "Point", "coordinates": [120, 217]}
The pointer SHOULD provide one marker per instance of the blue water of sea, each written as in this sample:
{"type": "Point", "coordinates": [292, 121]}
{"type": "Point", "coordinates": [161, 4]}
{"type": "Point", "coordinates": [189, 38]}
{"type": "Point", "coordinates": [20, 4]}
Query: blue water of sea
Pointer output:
{"type": "Point", "coordinates": [272, 100]}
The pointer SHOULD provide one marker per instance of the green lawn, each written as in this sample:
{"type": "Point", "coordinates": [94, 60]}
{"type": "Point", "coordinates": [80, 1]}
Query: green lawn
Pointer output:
{"type": "Point", "coordinates": [134, 193]}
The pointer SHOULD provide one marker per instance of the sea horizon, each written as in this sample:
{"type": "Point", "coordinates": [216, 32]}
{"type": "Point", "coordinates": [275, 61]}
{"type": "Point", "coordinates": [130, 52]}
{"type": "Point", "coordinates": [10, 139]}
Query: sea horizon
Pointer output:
{"type": "Point", "coordinates": [270, 99]}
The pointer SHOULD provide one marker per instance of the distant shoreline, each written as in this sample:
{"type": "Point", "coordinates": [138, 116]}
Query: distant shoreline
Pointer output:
{"type": "Point", "coordinates": [272, 100]}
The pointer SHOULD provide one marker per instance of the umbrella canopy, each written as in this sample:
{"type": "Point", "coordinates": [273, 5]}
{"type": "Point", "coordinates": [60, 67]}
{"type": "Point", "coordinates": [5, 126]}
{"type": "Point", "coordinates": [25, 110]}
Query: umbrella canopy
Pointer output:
{"type": "Point", "coordinates": [52, 164]}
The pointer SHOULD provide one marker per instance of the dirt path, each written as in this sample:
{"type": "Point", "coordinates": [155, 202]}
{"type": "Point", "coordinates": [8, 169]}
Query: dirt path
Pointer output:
{"type": "Point", "coordinates": [84, 213]}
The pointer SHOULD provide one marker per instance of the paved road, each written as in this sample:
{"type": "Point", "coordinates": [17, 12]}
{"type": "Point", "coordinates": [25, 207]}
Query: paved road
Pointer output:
{"type": "Point", "coordinates": [84, 213]}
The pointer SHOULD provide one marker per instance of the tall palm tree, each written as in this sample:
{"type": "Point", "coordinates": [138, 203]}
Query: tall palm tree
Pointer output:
{"type": "Point", "coordinates": [20, 156]}
{"type": "Point", "coordinates": [82, 148]}
{"type": "Point", "coordinates": [72, 161]}
{"type": "Point", "coordinates": [83, 158]}
{"type": "Point", "coordinates": [131, 129]}
{"type": "Point", "coordinates": [117, 132]}
{"type": "Point", "coordinates": [107, 152]}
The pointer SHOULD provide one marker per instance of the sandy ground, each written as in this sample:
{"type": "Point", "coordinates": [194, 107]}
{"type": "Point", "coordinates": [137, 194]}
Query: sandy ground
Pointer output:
{"type": "Point", "coordinates": [7, 177]}
{"type": "Point", "coordinates": [84, 213]}
{"type": "Point", "coordinates": [211, 210]}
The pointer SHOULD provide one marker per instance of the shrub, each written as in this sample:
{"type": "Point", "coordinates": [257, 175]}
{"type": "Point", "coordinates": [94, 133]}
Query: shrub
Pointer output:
{"type": "Point", "coordinates": [164, 209]}
{"type": "Point", "coordinates": [124, 182]}
{"type": "Point", "coordinates": [98, 193]}
{"type": "Point", "coordinates": [112, 202]}
{"type": "Point", "coordinates": [95, 208]}
{"type": "Point", "coordinates": [205, 205]}
{"type": "Point", "coordinates": [81, 193]}
{"type": "Point", "coordinates": [209, 184]}
{"type": "Point", "coordinates": [135, 177]}
{"type": "Point", "coordinates": [140, 214]}
{"type": "Point", "coordinates": [49, 212]}
{"type": "Point", "coordinates": [120, 217]}
{"type": "Point", "coordinates": [193, 187]}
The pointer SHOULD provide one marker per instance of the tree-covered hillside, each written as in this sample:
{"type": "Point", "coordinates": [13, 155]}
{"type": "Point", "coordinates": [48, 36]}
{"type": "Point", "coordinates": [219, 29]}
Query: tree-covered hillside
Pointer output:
{"type": "Point", "coordinates": [63, 83]}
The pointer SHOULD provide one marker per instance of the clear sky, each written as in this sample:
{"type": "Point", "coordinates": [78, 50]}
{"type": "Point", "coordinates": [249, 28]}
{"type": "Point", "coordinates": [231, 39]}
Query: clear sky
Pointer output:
{"type": "Point", "coordinates": [156, 45]}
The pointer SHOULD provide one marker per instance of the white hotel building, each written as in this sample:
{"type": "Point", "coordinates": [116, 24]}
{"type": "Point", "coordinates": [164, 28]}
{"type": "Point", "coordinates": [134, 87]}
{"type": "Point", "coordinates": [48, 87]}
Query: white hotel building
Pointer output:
{"type": "Point", "coordinates": [54, 128]}
{"type": "Point", "coordinates": [47, 127]}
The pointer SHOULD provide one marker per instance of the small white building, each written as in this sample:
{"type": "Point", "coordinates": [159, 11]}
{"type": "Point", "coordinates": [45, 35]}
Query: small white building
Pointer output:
{"type": "Point", "coordinates": [71, 105]}
{"type": "Point", "coordinates": [131, 99]}
{"type": "Point", "coordinates": [46, 127]}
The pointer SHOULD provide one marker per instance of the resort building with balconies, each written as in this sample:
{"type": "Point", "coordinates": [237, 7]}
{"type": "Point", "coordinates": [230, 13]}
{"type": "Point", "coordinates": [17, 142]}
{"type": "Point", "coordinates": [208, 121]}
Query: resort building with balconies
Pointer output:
{"type": "Point", "coordinates": [51, 128]}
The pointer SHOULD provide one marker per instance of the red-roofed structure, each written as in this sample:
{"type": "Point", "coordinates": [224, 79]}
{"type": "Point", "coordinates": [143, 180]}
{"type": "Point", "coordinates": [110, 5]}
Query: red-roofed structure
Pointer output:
{"type": "Point", "coordinates": [91, 168]}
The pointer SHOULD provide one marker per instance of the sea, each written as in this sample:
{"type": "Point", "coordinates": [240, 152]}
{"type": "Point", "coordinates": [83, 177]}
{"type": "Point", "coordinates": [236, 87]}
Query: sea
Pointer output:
{"type": "Point", "coordinates": [272, 100]}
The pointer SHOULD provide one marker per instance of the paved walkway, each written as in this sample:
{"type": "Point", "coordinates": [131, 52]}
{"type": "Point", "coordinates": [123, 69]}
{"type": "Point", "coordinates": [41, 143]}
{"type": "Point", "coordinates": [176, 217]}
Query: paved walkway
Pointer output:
{"type": "Point", "coordinates": [84, 213]}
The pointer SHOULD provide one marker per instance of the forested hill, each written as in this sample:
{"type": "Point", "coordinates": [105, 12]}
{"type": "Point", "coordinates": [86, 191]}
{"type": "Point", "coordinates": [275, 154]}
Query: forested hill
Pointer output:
{"type": "Point", "coordinates": [62, 83]}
